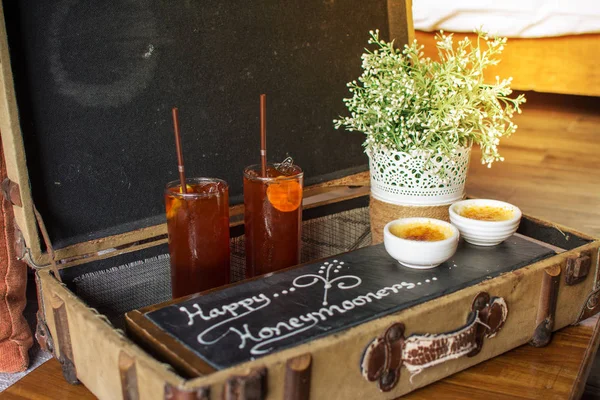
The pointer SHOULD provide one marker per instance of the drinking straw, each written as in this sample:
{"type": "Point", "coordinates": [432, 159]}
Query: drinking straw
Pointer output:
{"type": "Point", "coordinates": [263, 134]}
{"type": "Point", "coordinates": [180, 166]}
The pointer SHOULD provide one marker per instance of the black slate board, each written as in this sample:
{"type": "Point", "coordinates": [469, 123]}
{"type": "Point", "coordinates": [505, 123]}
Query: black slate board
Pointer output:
{"type": "Point", "coordinates": [247, 321]}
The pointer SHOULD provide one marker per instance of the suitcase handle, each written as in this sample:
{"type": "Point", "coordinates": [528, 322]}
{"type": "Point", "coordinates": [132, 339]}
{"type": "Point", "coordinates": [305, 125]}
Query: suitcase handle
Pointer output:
{"type": "Point", "coordinates": [386, 354]}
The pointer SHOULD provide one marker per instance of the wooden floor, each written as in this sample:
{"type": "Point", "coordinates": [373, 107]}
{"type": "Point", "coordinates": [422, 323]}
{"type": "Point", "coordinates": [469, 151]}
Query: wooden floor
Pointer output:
{"type": "Point", "coordinates": [551, 171]}
{"type": "Point", "coordinates": [552, 162]}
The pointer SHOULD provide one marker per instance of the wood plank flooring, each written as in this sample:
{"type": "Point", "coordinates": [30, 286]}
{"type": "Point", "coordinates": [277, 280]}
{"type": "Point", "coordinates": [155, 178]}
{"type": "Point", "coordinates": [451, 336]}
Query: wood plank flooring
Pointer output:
{"type": "Point", "coordinates": [551, 167]}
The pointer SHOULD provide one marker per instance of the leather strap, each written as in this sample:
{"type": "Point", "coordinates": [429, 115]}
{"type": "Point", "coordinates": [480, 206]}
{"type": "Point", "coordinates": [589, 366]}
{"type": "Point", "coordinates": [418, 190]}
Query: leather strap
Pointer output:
{"type": "Point", "coordinates": [591, 306]}
{"type": "Point", "coordinates": [386, 354]}
{"type": "Point", "coordinates": [48, 244]}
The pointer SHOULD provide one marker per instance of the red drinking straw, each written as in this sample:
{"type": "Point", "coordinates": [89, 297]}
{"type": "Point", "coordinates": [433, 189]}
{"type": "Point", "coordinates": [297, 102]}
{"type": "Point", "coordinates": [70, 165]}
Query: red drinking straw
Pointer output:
{"type": "Point", "coordinates": [180, 166]}
{"type": "Point", "coordinates": [263, 134]}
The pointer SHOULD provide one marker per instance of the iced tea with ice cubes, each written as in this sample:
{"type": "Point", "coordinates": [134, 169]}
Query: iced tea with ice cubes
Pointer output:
{"type": "Point", "coordinates": [198, 225]}
{"type": "Point", "coordinates": [273, 217]}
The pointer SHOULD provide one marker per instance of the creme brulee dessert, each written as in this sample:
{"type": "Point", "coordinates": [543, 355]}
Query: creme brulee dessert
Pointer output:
{"type": "Point", "coordinates": [421, 231]}
{"type": "Point", "coordinates": [486, 213]}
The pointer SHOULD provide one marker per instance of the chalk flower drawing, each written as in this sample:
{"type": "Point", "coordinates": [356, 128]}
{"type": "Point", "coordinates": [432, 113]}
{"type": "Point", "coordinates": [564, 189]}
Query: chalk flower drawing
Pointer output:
{"type": "Point", "coordinates": [301, 281]}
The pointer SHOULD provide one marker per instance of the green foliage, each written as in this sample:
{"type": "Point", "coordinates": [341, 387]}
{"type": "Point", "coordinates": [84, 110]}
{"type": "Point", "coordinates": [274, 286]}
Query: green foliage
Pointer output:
{"type": "Point", "coordinates": [404, 101]}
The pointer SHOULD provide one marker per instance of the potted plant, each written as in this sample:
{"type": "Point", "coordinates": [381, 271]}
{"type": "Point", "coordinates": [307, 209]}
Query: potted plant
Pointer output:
{"type": "Point", "coordinates": [421, 116]}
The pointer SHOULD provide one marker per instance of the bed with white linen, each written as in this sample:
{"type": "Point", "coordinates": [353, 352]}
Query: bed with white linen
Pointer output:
{"type": "Point", "coordinates": [553, 46]}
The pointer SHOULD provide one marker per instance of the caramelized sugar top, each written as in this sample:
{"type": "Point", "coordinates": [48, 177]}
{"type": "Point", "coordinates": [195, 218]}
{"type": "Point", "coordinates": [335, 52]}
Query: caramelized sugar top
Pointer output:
{"type": "Point", "coordinates": [421, 231]}
{"type": "Point", "coordinates": [487, 213]}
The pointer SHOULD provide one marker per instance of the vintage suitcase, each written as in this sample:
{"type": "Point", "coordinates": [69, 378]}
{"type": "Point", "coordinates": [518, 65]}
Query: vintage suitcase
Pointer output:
{"type": "Point", "coordinates": [95, 182]}
{"type": "Point", "coordinates": [371, 360]}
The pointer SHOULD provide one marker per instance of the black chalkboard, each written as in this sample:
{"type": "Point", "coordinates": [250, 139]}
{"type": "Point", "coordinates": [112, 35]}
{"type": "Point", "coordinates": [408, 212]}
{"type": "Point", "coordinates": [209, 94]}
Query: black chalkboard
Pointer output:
{"type": "Point", "coordinates": [259, 317]}
{"type": "Point", "coordinates": [96, 81]}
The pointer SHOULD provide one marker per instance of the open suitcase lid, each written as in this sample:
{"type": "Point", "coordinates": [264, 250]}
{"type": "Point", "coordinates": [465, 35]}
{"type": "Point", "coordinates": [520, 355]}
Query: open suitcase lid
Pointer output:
{"type": "Point", "coordinates": [87, 92]}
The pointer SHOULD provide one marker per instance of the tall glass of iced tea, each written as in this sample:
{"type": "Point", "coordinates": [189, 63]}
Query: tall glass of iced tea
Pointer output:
{"type": "Point", "coordinates": [273, 217]}
{"type": "Point", "coordinates": [198, 224]}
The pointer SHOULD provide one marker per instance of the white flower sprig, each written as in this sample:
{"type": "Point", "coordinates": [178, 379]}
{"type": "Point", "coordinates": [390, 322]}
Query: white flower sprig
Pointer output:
{"type": "Point", "coordinates": [404, 101]}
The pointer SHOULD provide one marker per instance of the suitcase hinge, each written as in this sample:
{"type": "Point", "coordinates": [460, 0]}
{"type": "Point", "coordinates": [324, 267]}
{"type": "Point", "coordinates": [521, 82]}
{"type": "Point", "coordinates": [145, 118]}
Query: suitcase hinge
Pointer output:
{"type": "Point", "coordinates": [578, 268]}
{"type": "Point", "coordinates": [175, 393]}
{"type": "Point", "coordinates": [252, 386]}
{"type": "Point", "coordinates": [544, 321]}
{"type": "Point", "coordinates": [11, 192]}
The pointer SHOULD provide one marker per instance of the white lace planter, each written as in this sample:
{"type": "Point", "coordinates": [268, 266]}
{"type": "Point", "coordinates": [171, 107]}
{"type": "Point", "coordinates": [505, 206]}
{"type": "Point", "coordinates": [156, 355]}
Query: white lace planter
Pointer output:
{"type": "Point", "coordinates": [401, 178]}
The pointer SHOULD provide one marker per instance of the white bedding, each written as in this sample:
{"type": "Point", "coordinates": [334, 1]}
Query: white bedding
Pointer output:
{"type": "Point", "coordinates": [511, 18]}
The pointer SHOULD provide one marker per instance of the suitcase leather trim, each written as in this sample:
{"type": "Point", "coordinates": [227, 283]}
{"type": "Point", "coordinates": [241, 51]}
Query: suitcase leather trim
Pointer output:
{"type": "Point", "coordinates": [63, 339]}
{"type": "Point", "coordinates": [128, 374]}
{"type": "Point", "coordinates": [547, 307]}
{"type": "Point", "coordinates": [250, 386]}
{"type": "Point", "coordinates": [173, 393]}
{"type": "Point", "coordinates": [297, 378]}
{"type": "Point", "coordinates": [386, 354]}
{"type": "Point", "coordinates": [591, 306]}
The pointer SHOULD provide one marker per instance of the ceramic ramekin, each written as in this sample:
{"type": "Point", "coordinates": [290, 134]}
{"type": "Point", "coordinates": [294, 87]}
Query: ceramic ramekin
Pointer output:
{"type": "Point", "coordinates": [484, 233]}
{"type": "Point", "coordinates": [420, 254]}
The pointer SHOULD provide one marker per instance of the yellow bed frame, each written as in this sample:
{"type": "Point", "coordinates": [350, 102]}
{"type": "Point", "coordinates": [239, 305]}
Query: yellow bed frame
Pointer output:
{"type": "Point", "coordinates": [565, 64]}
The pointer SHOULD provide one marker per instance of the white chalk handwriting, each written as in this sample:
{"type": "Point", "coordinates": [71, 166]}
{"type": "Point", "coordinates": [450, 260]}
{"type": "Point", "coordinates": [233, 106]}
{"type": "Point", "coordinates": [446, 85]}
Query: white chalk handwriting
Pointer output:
{"type": "Point", "coordinates": [261, 339]}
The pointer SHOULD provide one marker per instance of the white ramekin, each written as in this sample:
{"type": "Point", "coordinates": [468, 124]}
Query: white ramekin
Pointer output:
{"type": "Point", "coordinates": [420, 254]}
{"type": "Point", "coordinates": [484, 233]}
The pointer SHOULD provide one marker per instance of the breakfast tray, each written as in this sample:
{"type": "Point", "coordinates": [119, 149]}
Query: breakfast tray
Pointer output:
{"type": "Point", "coordinates": [253, 319]}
